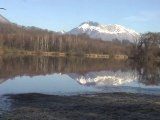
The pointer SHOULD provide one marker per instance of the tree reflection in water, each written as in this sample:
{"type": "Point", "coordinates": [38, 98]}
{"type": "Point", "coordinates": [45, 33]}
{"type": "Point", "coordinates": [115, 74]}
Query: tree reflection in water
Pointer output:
{"type": "Point", "coordinates": [12, 66]}
{"type": "Point", "coordinates": [149, 72]}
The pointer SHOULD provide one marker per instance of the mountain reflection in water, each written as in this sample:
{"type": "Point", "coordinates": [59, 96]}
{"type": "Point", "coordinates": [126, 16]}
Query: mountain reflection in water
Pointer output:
{"type": "Point", "coordinates": [74, 74]}
{"type": "Point", "coordinates": [105, 78]}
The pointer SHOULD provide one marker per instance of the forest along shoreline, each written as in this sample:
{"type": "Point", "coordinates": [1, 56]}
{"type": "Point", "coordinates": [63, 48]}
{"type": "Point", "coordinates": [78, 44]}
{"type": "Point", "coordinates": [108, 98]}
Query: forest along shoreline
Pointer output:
{"type": "Point", "coordinates": [14, 52]}
{"type": "Point", "coordinates": [98, 107]}
{"type": "Point", "coordinates": [146, 49]}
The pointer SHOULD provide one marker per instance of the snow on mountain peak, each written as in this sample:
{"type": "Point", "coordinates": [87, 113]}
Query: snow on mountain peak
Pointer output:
{"type": "Point", "coordinates": [105, 32]}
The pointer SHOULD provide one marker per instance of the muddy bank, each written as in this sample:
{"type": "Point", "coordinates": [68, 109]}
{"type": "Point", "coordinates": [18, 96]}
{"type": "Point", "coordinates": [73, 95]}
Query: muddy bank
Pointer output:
{"type": "Point", "coordinates": [111, 106]}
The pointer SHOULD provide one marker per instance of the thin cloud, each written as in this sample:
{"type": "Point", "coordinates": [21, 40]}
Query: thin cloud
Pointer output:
{"type": "Point", "coordinates": [135, 19]}
{"type": "Point", "coordinates": [152, 15]}
{"type": "Point", "coordinates": [144, 16]}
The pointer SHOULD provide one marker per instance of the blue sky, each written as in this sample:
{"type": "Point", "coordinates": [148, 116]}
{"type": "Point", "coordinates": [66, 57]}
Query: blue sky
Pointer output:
{"type": "Point", "coordinates": [57, 15]}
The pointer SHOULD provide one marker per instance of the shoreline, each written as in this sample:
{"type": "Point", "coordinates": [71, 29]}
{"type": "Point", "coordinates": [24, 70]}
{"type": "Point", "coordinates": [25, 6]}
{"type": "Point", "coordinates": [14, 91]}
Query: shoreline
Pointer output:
{"type": "Point", "coordinates": [11, 52]}
{"type": "Point", "coordinates": [110, 106]}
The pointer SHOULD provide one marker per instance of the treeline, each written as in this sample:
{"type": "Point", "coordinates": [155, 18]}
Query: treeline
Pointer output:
{"type": "Point", "coordinates": [35, 39]}
{"type": "Point", "coordinates": [148, 47]}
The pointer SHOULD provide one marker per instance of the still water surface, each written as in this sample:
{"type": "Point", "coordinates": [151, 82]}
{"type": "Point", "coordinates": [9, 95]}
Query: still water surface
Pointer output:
{"type": "Point", "coordinates": [70, 76]}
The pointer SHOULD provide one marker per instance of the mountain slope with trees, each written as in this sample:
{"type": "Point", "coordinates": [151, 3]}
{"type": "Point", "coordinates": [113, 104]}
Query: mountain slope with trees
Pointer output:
{"type": "Point", "coordinates": [13, 36]}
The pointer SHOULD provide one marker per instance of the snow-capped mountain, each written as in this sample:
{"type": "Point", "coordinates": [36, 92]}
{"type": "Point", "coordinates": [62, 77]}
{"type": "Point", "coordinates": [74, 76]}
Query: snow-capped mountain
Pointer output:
{"type": "Point", "coordinates": [105, 32]}
{"type": "Point", "coordinates": [3, 19]}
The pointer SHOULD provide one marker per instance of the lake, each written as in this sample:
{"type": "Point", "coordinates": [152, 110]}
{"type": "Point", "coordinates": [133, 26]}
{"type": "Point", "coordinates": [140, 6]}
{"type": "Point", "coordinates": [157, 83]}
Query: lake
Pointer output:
{"type": "Point", "coordinates": [75, 75]}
